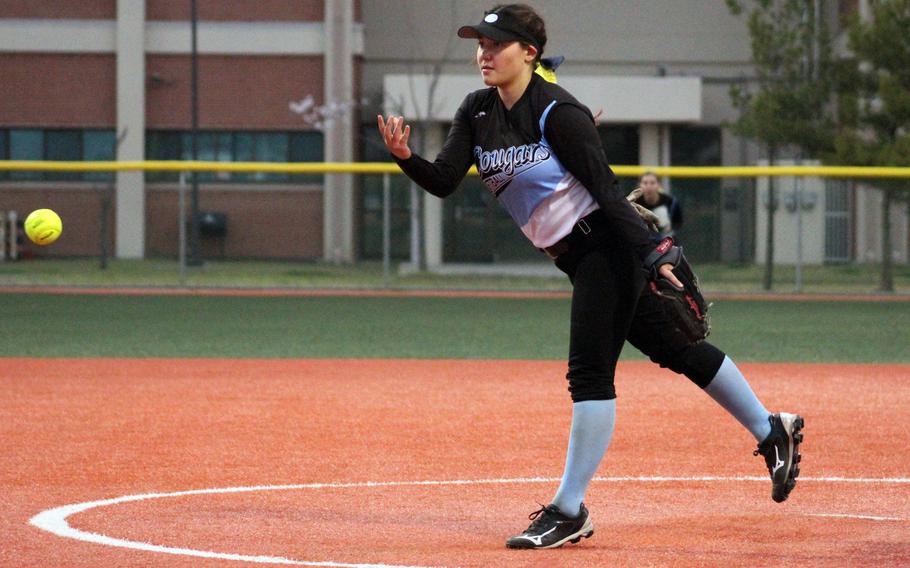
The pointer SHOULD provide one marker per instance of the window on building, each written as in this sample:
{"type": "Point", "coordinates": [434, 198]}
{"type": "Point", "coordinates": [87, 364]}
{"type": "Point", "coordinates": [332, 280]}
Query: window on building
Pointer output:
{"type": "Point", "coordinates": [99, 146]}
{"type": "Point", "coordinates": [261, 147]}
{"type": "Point", "coordinates": [70, 145]}
{"type": "Point", "coordinates": [270, 147]}
{"type": "Point", "coordinates": [280, 147]}
{"type": "Point", "coordinates": [244, 151]}
{"type": "Point", "coordinates": [63, 146]}
{"type": "Point", "coordinates": [210, 147]}
{"type": "Point", "coordinates": [26, 145]}
{"type": "Point", "coordinates": [4, 152]}
{"type": "Point", "coordinates": [161, 145]}
{"type": "Point", "coordinates": [306, 147]}
{"type": "Point", "coordinates": [166, 146]}
{"type": "Point", "coordinates": [222, 151]}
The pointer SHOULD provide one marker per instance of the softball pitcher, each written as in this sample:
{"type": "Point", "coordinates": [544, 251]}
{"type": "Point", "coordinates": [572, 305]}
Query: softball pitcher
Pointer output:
{"type": "Point", "coordinates": [539, 154]}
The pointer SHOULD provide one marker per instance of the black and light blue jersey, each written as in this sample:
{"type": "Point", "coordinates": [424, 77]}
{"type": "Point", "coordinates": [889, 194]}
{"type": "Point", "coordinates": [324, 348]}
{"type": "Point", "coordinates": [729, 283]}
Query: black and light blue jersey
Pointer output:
{"type": "Point", "coordinates": [542, 160]}
{"type": "Point", "coordinates": [530, 182]}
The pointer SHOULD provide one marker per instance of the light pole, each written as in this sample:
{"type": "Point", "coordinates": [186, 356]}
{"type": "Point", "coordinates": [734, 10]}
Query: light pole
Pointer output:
{"type": "Point", "coordinates": [195, 259]}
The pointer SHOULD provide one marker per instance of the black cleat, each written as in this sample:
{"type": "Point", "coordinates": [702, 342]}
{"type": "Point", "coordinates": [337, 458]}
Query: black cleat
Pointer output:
{"type": "Point", "coordinates": [551, 529]}
{"type": "Point", "coordinates": [781, 452]}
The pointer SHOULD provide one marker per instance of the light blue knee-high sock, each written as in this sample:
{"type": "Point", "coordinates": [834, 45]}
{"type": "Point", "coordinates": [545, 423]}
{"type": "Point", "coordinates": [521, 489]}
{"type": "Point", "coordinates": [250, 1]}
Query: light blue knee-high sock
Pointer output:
{"type": "Point", "coordinates": [731, 390]}
{"type": "Point", "coordinates": [592, 429]}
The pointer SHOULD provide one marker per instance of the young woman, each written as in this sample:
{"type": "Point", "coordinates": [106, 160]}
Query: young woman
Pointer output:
{"type": "Point", "coordinates": [663, 205]}
{"type": "Point", "coordinates": [538, 153]}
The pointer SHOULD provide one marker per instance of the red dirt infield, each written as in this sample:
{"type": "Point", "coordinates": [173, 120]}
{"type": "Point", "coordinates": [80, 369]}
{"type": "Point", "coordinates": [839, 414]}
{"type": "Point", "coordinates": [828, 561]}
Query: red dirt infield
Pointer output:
{"type": "Point", "coordinates": [460, 453]}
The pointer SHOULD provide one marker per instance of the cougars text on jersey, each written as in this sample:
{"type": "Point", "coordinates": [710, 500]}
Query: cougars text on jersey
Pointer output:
{"type": "Point", "coordinates": [499, 167]}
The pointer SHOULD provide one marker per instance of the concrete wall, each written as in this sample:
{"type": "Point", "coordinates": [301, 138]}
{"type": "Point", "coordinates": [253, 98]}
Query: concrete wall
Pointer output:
{"type": "Point", "coordinates": [787, 219]}
{"type": "Point", "coordinates": [695, 38]}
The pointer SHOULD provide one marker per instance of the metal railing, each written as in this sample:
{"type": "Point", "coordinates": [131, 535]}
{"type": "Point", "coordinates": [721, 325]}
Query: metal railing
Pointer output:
{"type": "Point", "coordinates": [389, 169]}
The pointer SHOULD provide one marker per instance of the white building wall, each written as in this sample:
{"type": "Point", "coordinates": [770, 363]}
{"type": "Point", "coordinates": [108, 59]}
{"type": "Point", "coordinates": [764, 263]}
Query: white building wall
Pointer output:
{"type": "Point", "coordinates": [787, 219]}
{"type": "Point", "coordinates": [866, 230]}
{"type": "Point", "coordinates": [623, 99]}
{"type": "Point", "coordinates": [617, 36]}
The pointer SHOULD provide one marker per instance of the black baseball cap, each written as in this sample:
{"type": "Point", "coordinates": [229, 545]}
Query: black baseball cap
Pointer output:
{"type": "Point", "coordinates": [499, 25]}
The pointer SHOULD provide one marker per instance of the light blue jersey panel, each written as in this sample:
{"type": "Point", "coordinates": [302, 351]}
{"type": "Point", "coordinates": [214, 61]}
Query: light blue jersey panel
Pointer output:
{"type": "Point", "coordinates": [532, 173]}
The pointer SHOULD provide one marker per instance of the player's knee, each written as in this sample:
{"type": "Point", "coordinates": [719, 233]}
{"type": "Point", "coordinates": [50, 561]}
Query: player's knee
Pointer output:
{"type": "Point", "coordinates": [586, 385]}
{"type": "Point", "coordinates": [698, 362]}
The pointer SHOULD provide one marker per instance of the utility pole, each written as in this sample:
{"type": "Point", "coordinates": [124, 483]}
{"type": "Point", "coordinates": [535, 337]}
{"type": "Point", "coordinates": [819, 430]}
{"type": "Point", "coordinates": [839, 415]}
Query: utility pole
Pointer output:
{"type": "Point", "coordinates": [195, 258]}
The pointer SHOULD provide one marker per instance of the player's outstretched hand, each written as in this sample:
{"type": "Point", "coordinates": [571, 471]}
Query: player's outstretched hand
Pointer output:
{"type": "Point", "coordinates": [395, 134]}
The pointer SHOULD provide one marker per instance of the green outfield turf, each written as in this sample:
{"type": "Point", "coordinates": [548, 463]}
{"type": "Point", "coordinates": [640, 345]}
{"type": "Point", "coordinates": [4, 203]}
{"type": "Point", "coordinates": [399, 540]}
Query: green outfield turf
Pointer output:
{"type": "Point", "coordinates": [44, 325]}
{"type": "Point", "coordinates": [717, 277]}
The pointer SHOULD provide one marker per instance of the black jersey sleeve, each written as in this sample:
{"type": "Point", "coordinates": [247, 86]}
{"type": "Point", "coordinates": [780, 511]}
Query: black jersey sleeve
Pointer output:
{"type": "Point", "coordinates": [573, 137]}
{"type": "Point", "coordinates": [442, 176]}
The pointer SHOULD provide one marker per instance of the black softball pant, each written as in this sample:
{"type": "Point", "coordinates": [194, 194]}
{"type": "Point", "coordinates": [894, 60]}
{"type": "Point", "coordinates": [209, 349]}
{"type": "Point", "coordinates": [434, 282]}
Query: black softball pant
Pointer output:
{"type": "Point", "coordinates": [611, 304]}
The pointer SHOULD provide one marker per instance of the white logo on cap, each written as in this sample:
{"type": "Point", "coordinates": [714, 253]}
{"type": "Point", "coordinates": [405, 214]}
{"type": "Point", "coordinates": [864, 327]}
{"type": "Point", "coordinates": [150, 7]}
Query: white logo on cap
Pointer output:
{"type": "Point", "coordinates": [490, 18]}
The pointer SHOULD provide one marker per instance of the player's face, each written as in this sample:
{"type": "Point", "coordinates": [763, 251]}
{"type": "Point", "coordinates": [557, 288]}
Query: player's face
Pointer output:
{"type": "Point", "coordinates": [502, 62]}
{"type": "Point", "coordinates": [649, 186]}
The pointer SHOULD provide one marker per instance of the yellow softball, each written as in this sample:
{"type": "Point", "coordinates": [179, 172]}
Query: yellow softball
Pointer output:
{"type": "Point", "coordinates": [43, 226]}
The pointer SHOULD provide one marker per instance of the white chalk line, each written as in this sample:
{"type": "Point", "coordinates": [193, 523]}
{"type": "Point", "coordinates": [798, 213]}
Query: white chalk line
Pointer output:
{"type": "Point", "coordinates": [55, 520]}
{"type": "Point", "coordinates": [846, 516]}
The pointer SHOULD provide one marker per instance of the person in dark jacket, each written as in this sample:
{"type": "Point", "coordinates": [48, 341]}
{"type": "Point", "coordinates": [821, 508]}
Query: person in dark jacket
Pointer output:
{"type": "Point", "coordinates": [663, 205]}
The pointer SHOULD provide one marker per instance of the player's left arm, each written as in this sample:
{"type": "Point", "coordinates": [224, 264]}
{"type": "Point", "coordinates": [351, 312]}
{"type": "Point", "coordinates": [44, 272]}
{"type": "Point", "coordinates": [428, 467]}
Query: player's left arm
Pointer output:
{"type": "Point", "coordinates": [571, 133]}
{"type": "Point", "coordinates": [573, 137]}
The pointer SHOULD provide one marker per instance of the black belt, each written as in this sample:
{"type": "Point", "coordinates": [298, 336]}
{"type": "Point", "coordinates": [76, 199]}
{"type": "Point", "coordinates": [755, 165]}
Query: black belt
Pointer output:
{"type": "Point", "coordinates": [583, 228]}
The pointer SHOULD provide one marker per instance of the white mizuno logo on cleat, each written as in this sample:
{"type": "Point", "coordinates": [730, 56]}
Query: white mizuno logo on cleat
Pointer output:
{"type": "Point", "coordinates": [780, 462]}
{"type": "Point", "coordinates": [537, 539]}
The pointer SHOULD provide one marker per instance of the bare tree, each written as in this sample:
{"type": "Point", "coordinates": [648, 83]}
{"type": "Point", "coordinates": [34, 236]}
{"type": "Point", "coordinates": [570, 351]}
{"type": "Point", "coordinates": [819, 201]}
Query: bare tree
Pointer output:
{"type": "Point", "coordinates": [422, 120]}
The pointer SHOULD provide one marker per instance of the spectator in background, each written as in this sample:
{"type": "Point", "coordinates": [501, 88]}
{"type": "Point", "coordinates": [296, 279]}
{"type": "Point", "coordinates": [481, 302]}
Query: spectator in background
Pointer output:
{"type": "Point", "coordinates": [664, 205]}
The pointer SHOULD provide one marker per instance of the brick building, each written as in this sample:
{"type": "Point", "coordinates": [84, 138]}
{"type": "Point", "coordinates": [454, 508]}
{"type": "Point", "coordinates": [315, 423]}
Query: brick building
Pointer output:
{"type": "Point", "coordinates": [106, 79]}
{"type": "Point", "coordinates": [83, 77]}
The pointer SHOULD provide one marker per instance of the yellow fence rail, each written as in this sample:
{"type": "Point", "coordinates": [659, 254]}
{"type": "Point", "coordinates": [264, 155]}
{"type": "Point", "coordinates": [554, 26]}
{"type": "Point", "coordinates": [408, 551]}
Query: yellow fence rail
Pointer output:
{"type": "Point", "coordinates": [391, 168]}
